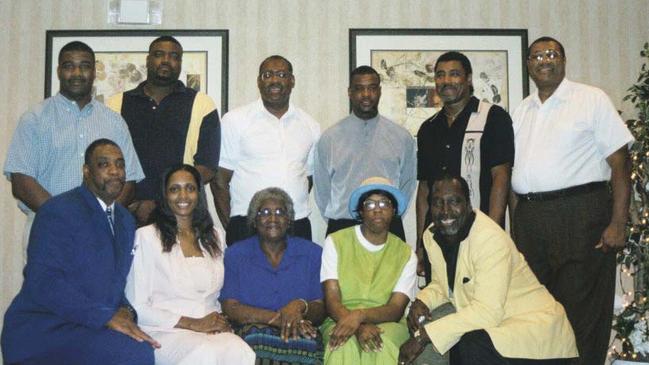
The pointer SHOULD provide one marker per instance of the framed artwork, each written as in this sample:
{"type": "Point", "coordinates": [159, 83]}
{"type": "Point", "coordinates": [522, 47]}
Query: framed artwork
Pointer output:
{"type": "Point", "coordinates": [405, 60]}
{"type": "Point", "coordinates": [121, 60]}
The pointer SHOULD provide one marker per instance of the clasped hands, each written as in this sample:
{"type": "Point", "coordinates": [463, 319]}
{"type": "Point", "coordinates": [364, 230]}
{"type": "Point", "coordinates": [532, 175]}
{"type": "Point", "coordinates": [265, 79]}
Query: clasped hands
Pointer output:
{"type": "Point", "coordinates": [351, 323]}
{"type": "Point", "coordinates": [212, 323]}
{"type": "Point", "coordinates": [290, 321]}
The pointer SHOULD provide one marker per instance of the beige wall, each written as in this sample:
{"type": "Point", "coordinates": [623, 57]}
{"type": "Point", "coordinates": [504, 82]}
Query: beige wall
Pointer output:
{"type": "Point", "coordinates": [602, 40]}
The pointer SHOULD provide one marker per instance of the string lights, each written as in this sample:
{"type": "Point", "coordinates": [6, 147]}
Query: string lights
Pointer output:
{"type": "Point", "coordinates": [630, 319]}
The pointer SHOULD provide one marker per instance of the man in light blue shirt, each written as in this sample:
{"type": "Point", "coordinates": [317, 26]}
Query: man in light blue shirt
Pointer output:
{"type": "Point", "coordinates": [362, 145]}
{"type": "Point", "coordinates": [46, 153]}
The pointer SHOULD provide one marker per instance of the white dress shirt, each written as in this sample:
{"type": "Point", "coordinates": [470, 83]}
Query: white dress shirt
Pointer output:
{"type": "Point", "coordinates": [264, 151]}
{"type": "Point", "coordinates": [565, 141]}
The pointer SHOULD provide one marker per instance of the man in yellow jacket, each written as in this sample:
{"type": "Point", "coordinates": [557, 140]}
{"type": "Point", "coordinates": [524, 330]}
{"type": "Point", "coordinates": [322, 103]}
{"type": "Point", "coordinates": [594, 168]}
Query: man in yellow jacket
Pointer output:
{"type": "Point", "coordinates": [483, 305]}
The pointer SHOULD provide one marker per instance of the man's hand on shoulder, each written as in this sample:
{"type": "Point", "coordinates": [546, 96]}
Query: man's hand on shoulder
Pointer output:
{"type": "Point", "coordinates": [142, 210]}
{"type": "Point", "coordinates": [122, 322]}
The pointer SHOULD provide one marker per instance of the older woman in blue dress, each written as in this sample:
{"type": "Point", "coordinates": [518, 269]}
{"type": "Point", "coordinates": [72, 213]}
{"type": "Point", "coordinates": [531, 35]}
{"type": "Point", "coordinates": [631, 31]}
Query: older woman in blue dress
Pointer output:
{"type": "Point", "coordinates": [176, 278]}
{"type": "Point", "coordinates": [272, 289]}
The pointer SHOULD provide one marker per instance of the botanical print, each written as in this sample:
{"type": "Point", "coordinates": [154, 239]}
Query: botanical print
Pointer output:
{"type": "Point", "coordinates": [408, 94]}
{"type": "Point", "coordinates": [121, 71]}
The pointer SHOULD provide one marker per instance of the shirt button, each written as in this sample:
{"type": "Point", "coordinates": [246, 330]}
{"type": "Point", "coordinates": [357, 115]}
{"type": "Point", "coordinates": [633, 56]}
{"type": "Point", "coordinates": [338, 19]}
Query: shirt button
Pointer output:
{"type": "Point", "coordinates": [153, 107]}
{"type": "Point", "coordinates": [444, 168]}
{"type": "Point", "coordinates": [448, 146]}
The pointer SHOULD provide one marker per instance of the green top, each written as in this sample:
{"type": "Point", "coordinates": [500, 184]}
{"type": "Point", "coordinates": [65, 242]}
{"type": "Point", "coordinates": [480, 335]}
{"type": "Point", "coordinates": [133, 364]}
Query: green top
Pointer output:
{"type": "Point", "coordinates": [367, 279]}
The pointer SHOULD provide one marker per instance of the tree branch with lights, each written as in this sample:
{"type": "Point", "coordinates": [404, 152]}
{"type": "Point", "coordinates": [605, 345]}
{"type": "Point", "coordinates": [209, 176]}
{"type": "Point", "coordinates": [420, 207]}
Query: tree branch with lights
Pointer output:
{"type": "Point", "coordinates": [632, 315]}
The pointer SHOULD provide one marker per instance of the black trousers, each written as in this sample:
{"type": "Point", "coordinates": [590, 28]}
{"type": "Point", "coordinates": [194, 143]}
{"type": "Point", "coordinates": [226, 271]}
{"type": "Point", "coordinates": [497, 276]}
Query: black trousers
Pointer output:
{"type": "Point", "coordinates": [396, 226]}
{"type": "Point", "coordinates": [238, 229]}
{"type": "Point", "coordinates": [558, 238]}
{"type": "Point", "coordinates": [476, 347]}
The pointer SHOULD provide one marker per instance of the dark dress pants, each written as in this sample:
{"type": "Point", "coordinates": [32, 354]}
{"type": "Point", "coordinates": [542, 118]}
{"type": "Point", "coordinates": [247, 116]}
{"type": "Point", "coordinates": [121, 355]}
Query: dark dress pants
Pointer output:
{"type": "Point", "coordinates": [476, 347]}
{"type": "Point", "coordinates": [558, 238]}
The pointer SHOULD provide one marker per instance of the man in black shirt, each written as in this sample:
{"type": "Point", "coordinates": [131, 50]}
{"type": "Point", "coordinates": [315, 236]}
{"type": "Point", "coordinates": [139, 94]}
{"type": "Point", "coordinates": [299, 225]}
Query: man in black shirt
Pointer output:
{"type": "Point", "coordinates": [169, 123]}
{"type": "Point", "coordinates": [467, 137]}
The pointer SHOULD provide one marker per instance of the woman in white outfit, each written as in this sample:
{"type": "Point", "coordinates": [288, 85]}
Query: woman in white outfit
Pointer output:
{"type": "Point", "coordinates": [176, 278]}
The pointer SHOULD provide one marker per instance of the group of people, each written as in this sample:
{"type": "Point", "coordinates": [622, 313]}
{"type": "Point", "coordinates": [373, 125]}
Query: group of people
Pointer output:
{"type": "Point", "coordinates": [179, 290]}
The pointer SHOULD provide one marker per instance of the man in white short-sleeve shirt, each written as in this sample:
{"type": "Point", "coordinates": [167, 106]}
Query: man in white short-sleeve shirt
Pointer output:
{"type": "Point", "coordinates": [571, 193]}
{"type": "Point", "coordinates": [266, 143]}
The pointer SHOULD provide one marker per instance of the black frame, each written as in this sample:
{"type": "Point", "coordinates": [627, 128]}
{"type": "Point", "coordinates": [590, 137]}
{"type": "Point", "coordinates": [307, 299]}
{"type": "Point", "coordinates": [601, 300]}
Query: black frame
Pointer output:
{"type": "Point", "coordinates": [51, 35]}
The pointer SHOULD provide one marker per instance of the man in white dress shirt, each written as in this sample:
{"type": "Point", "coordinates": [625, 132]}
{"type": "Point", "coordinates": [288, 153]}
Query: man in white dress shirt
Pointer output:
{"type": "Point", "coordinates": [571, 193]}
{"type": "Point", "coordinates": [268, 142]}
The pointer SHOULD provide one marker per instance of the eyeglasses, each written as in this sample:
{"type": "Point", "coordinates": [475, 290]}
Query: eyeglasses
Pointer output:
{"type": "Point", "coordinates": [266, 75]}
{"type": "Point", "coordinates": [277, 212]}
{"type": "Point", "coordinates": [370, 204]}
{"type": "Point", "coordinates": [550, 54]}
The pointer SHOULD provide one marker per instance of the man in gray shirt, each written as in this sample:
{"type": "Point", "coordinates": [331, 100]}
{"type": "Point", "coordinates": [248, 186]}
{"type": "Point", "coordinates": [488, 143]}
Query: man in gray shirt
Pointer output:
{"type": "Point", "coordinates": [362, 145]}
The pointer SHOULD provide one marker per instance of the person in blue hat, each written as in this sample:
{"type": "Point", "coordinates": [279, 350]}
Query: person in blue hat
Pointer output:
{"type": "Point", "coordinates": [368, 275]}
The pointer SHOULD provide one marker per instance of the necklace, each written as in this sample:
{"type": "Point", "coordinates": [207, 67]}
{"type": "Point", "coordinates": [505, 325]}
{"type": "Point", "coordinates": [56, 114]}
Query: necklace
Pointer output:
{"type": "Point", "coordinates": [451, 117]}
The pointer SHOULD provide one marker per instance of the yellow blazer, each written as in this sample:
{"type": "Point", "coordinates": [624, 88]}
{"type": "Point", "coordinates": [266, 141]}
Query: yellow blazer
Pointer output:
{"type": "Point", "coordinates": [495, 290]}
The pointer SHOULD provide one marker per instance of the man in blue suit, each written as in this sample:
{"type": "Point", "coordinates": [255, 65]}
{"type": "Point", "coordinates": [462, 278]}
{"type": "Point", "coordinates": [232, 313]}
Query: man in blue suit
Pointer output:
{"type": "Point", "coordinates": [71, 308]}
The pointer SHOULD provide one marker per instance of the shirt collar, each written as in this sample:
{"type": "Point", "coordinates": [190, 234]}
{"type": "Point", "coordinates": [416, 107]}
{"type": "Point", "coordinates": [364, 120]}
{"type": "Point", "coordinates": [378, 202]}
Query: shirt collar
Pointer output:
{"type": "Point", "coordinates": [560, 94]}
{"type": "Point", "coordinates": [104, 206]}
{"type": "Point", "coordinates": [179, 87]}
{"type": "Point", "coordinates": [375, 119]}
{"type": "Point", "coordinates": [291, 254]}
{"type": "Point", "coordinates": [72, 105]}
{"type": "Point", "coordinates": [261, 109]}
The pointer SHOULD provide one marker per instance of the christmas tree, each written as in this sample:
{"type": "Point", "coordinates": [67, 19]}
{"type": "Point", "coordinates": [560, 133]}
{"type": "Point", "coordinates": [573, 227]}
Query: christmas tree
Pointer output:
{"type": "Point", "coordinates": [631, 318]}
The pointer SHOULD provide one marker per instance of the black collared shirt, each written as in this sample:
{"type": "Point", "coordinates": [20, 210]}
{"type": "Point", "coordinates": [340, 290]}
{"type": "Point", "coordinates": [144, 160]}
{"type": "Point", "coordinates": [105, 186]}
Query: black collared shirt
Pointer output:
{"type": "Point", "coordinates": [450, 249]}
{"type": "Point", "coordinates": [439, 147]}
{"type": "Point", "coordinates": [161, 133]}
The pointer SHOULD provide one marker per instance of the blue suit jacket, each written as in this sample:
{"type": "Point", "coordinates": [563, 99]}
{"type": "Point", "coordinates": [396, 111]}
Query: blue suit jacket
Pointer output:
{"type": "Point", "coordinates": [74, 278]}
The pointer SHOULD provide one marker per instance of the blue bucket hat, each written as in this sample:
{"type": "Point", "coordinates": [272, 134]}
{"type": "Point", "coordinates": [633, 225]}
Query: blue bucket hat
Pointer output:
{"type": "Point", "coordinates": [377, 183]}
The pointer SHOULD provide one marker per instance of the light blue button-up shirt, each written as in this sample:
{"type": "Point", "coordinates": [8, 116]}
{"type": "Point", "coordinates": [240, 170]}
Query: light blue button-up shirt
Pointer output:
{"type": "Point", "coordinates": [51, 138]}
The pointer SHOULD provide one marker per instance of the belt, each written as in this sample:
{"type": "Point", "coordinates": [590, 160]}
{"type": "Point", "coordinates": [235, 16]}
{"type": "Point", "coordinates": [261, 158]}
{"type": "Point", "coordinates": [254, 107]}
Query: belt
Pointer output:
{"type": "Point", "coordinates": [573, 190]}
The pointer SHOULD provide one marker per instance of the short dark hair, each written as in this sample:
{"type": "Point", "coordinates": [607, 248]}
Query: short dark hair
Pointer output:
{"type": "Point", "coordinates": [363, 70]}
{"type": "Point", "coordinates": [455, 56]}
{"type": "Point", "coordinates": [546, 39]}
{"type": "Point", "coordinates": [463, 184]}
{"type": "Point", "coordinates": [276, 57]}
{"type": "Point", "coordinates": [94, 145]}
{"type": "Point", "coordinates": [76, 46]}
{"type": "Point", "coordinates": [165, 38]}
{"type": "Point", "coordinates": [364, 196]}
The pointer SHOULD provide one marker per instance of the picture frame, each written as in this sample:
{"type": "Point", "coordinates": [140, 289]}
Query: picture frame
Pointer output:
{"type": "Point", "coordinates": [121, 59]}
{"type": "Point", "coordinates": [405, 59]}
